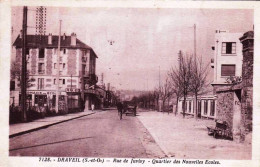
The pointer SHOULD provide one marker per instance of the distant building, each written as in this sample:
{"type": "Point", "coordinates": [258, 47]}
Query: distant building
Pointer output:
{"type": "Point", "coordinates": [77, 68]}
{"type": "Point", "coordinates": [228, 57]}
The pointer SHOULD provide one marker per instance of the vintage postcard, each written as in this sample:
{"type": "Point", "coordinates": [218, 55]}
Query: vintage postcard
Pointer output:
{"type": "Point", "coordinates": [130, 83]}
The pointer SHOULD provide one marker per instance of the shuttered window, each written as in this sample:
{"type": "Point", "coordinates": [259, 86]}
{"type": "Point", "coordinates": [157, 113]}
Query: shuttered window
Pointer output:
{"type": "Point", "coordinates": [228, 48]}
{"type": "Point", "coordinates": [228, 70]}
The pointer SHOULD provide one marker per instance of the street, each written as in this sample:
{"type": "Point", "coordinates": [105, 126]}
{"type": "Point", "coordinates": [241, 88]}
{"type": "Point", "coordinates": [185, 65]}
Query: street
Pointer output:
{"type": "Point", "coordinates": [99, 135]}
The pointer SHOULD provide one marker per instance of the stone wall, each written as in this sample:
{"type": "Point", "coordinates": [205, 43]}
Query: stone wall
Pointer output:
{"type": "Point", "coordinates": [225, 105]}
{"type": "Point", "coordinates": [247, 81]}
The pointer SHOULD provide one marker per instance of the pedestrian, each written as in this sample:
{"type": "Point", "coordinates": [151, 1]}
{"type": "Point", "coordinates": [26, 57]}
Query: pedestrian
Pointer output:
{"type": "Point", "coordinates": [120, 109]}
{"type": "Point", "coordinates": [92, 107]}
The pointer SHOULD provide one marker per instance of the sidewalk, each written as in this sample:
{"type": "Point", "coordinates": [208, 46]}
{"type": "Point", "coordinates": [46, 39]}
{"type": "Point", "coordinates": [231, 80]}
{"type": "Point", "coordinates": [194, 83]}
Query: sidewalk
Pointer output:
{"type": "Point", "coordinates": [22, 128]}
{"type": "Point", "coordinates": [188, 138]}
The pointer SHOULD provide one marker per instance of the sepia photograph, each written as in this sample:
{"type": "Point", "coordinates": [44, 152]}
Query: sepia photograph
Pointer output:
{"type": "Point", "coordinates": [113, 82]}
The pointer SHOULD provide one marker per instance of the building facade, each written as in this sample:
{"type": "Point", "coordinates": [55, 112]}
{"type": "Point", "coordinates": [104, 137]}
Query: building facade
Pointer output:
{"type": "Point", "coordinates": [206, 106]}
{"type": "Point", "coordinates": [76, 66]}
{"type": "Point", "coordinates": [227, 61]}
{"type": "Point", "coordinates": [235, 102]}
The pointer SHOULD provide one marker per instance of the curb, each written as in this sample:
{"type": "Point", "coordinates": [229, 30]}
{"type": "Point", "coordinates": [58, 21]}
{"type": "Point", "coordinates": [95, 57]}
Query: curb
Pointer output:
{"type": "Point", "coordinates": [46, 126]}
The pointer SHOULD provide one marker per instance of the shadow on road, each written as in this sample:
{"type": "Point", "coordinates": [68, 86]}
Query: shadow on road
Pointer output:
{"type": "Point", "coordinates": [38, 145]}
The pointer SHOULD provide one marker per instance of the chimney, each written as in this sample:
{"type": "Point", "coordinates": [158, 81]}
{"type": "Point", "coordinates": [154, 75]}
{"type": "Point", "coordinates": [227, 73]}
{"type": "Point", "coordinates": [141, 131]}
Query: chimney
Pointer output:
{"type": "Point", "coordinates": [73, 39]}
{"type": "Point", "coordinates": [50, 39]}
{"type": "Point", "coordinates": [64, 36]}
{"type": "Point", "coordinates": [21, 34]}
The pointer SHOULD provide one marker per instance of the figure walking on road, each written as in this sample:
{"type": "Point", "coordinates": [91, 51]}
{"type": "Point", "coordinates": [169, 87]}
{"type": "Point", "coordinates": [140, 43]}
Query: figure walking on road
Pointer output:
{"type": "Point", "coordinates": [92, 107]}
{"type": "Point", "coordinates": [120, 109]}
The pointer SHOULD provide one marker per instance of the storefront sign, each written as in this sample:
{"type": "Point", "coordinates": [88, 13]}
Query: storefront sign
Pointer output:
{"type": "Point", "coordinates": [72, 90]}
{"type": "Point", "coordinates": [42, 92]}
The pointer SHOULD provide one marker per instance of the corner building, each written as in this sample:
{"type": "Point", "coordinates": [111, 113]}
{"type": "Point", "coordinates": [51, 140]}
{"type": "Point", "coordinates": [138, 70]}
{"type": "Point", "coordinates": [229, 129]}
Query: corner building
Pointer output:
{"type": "Point", "coordinates": [77, 72]}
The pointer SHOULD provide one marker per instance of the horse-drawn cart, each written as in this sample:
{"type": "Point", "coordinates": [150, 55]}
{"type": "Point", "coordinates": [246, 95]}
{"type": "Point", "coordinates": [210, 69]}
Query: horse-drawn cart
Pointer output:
{"type": "Point", "coordinates": [131, 110]}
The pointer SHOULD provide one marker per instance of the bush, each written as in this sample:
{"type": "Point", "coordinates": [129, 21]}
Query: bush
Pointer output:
{"type": "Point", "coordinates": [15, 114]}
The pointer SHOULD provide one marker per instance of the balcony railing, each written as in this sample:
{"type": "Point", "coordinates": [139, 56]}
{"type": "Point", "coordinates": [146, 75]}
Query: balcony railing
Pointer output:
{"type": "Point", "coordinates": [90, 78]}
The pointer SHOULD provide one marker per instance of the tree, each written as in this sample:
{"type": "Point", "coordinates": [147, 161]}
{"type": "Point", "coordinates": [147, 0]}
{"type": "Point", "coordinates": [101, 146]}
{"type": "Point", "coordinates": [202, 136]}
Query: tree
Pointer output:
{"type": "Point", "coordinates": [16, 72]}
{"type": "Point", "coordinates": [175, 86]}
{"type": "Point", "coordinates": [181, 77]}
{"type": "Point", "coordinates": [165, 92]}
{"type": "Point", "coordinates": [199, 75]}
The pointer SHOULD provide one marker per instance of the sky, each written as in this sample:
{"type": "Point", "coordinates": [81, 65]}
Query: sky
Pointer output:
{"type": "Point", "coordinates": [146, 40]}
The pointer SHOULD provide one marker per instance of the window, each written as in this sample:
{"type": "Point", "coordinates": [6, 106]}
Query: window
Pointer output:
{"type": "Point", "coordinates": [40, 99]}
{"type": "Point", "coordinates": [40, 83]}
{"type": "Point", "coordinates": [212, 107]}
{"type": "Point", "coordinates": [199, 106]}
{"type": "Point", "coordinates": [41, 53]}
{"type": "Point", "coordinates": [27, 51]}
{"type": "Point", "coordinates": [205, 107]}
{"type": "Point", "coordinates": [12, 85]}
{"type": "Point", "coordinates": [64, 51]}
{"type": "Point", "coordinates": [62, 81]}
{"type": "Point", "coordinates": [63, 65]}
{"type": "Point", "coordinates": [55, 66]}
{"type": "Point", "coordinates": [228, 70]}
{"type": "Point", "coordinates": [189, 106]}
{"type": "Point", "coordinates": [228, 48]}
{"type": "Point", "coordinates": [83, 69]}
{"type": "Point", "coordinates": [41, 68]}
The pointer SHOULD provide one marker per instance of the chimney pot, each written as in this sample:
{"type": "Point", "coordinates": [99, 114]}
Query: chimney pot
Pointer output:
{"type": "Point", "coordinates": [73, 39]}
{"type": "Point", "coordinates": [64, 36]}
{"type": "Point", "coordinates": [49, 39]}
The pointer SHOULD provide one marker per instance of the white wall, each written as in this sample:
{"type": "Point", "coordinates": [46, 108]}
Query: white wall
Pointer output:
{"type": "Point", "coordinates": [220, 58]}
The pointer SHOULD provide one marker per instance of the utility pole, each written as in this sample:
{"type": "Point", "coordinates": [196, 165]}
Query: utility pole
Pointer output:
{"type": "Point", "coordinates": [24, 65]}
{"type": "Point", "coordinates": [58, 72]}
{"type": "Point", "coordinates": [195, 41]}
{"type": "Point", "coordinates": [159, 79]}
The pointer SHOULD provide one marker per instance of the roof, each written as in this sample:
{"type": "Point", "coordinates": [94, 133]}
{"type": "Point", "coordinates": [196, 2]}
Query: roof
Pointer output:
{"type": "Point", "coordinates": [37, 41]}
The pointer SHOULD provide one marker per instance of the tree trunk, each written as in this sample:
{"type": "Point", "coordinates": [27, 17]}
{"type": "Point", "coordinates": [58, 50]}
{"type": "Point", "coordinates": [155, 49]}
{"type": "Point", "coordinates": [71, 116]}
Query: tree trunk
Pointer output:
{"type": "Point", "coordinates": [163, 106]}
{"type": "Point", "coordinates": [195, 106]}
{"type": "Point", "coordinates": [184, 107]}
{"type": "Point", "coordinates": [176, 111]}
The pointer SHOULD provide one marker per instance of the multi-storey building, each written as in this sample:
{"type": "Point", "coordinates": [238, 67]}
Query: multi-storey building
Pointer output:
{"type": "Point", "coordinates": [77, 72]}
{"type": "Point", "coordinates": [227, 62]}
{"type": "Point", "coordinates": [227, 57]}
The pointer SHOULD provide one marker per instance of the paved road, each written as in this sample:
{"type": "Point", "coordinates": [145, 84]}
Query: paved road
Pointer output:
{"type": "Point", "coordinates": [98, 135]}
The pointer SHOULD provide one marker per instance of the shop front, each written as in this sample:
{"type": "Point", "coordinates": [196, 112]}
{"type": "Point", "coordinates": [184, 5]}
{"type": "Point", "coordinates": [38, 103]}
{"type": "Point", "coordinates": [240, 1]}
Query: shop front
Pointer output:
{"type": "Point", "coordinates": [93, 97]}
{"type": "Point", "coordinates": [74, 100]}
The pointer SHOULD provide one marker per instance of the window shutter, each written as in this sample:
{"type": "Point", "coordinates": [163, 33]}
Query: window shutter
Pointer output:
{"type": "Point", "coordinates": [228, 70]}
